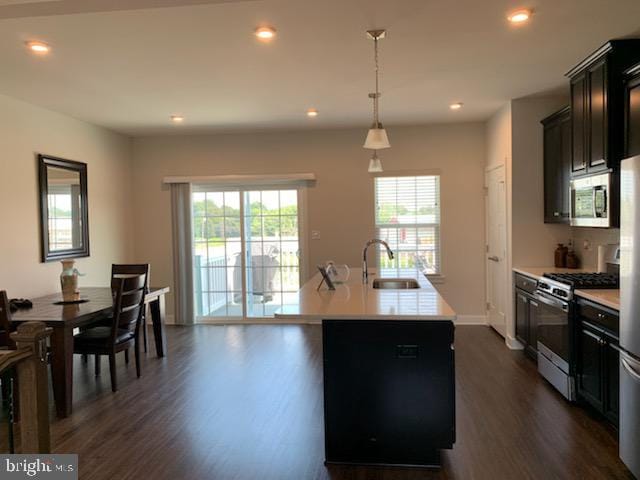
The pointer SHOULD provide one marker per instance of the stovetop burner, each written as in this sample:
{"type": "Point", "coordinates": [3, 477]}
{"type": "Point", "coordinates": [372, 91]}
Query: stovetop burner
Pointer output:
{"type": "Point", "coordinates": [586, 280]}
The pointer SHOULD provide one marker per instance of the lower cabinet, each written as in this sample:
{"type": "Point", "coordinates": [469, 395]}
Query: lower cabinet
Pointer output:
{"type": "Point", "coordinates": [597, 362]}
{"type": "Point", "coordinates": [527, 322]}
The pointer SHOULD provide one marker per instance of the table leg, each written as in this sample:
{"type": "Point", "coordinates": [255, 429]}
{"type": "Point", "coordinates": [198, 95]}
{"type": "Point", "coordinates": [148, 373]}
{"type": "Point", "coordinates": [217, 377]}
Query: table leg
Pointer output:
{"type": "Point", "coordinates": [62, 369]}
{"type": "Point", "coordinates": [157, 319]}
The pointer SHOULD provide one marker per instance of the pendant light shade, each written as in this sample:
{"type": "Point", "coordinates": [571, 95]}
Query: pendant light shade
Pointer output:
{"type": "Point", "coordinates": [375, 164]}
{"type": "Point", "coordinates": [377, 138]}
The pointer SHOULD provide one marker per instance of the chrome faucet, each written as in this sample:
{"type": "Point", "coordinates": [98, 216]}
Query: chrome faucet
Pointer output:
{"type": "Point", "coordinates": [365, 269]}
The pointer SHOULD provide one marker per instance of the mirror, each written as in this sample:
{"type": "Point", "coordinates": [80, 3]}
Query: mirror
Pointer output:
{"type": "Point", "coordinates": [63, 208]}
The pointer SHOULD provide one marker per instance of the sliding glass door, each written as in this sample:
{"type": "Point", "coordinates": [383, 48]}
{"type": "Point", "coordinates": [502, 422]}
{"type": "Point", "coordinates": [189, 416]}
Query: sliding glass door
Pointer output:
{"type": "Point", "coordinates": [246, 252]}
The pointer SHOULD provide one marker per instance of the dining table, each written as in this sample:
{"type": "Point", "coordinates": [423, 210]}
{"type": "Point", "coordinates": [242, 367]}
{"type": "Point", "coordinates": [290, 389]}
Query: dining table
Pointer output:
{"type": "Point", "coordinates": [95, 304]}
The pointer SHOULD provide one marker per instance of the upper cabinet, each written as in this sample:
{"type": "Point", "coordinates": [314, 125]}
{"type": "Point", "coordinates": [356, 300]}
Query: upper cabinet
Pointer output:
{"type": "Point", "coordinates": [632, 112]}
{"type": "Point", "coordinates": [598, 106]}
{"type": "Point", "coordinates": [557, 166]}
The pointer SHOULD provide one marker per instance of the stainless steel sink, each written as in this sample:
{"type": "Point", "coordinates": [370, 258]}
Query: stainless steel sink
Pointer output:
{"type": "Point", "coordinates": [395, 283]}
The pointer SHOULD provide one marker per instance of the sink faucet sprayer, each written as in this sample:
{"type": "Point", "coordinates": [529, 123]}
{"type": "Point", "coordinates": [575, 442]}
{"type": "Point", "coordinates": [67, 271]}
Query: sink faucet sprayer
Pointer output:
{"type": "Point", "coordinates": [365, 270]}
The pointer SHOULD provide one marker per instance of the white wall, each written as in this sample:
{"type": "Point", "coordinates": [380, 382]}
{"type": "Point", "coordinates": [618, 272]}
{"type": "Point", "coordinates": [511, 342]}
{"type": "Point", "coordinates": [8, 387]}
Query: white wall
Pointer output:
{"type": "Point", "coordinates": [515, 140]}
{"type": "Point", "coordinates": [341, 205]}
{"type": "Point", "coordinates": [534, 242]}
{"type": "Point", "coordinates": [26, 131]}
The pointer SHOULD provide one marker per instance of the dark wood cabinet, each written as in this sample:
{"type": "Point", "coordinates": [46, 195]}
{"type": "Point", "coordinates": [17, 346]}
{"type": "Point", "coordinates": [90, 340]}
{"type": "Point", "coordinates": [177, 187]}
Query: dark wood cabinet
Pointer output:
{"type": "Point", "coordinates": [597, 106]}
{"type": "Point", "coordinates": [598, 359]}
{"type": "Point", "coordinates": [389, 391]}
{"type": "Point", "coordinates": [557, 166]}
{"type": "Point", "coordinates": [612, 384]}
{"type": "Point", "coordinates": [590, 361]}
{"type": "Point", "coordinates": [526, 309]}
{"type": "Point", "coordinates": [598, 120]}
{"type": "Point", "coordinates": [632, 112]}
{"type": "Point", "coordinates": [578, 122]}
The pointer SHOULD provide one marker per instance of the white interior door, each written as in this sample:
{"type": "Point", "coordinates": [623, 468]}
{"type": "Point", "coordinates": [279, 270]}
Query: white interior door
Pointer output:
{"type": "Point", "coordinates": [496, 249]}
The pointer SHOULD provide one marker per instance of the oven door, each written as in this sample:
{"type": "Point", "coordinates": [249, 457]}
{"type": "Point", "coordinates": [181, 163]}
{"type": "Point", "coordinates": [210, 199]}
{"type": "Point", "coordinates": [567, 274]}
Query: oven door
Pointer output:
{"type": "Point", "coordinates": [590, 201]}
{"type": "Point", "coordinates": [553, 330]}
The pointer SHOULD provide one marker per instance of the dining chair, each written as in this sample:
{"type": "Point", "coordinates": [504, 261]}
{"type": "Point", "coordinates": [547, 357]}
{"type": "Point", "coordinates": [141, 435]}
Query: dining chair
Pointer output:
{"type": "Point", "coordinates": [123, 333]}
{"type": "Point", "coordinates": [135, 269]}
{"type": "Point", "coordinates": [118, 270]}
{"type": "Point", "coordinates": [5, 322]}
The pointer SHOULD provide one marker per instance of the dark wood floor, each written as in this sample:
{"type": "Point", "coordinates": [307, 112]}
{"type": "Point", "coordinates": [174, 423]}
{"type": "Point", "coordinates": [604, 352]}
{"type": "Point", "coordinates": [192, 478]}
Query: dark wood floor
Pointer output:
{"type": "Point", "coordinates": [245, 402]}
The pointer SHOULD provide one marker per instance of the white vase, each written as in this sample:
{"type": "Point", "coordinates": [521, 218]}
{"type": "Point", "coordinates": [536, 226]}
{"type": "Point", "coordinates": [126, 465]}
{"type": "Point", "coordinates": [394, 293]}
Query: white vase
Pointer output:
{"type": "Point", "coordinates": [69, 281]}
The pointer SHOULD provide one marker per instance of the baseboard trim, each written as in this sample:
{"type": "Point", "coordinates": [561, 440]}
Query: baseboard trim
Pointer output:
{"type": "Point", "coordinates": [170, 320]}
{"type": "Point", "coordinates": [471, 320]}
{"type": "Point", "coordinates": [513, 343]}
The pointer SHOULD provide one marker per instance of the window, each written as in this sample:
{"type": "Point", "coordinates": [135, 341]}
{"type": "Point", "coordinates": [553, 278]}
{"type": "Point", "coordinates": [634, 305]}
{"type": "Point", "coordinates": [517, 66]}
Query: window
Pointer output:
{"type": "Point", "coordinates": [246, 251]}
{"type": "Point", "coordinates": [64, 217]}
{"type": "Point", "coordinates": [408, 219]}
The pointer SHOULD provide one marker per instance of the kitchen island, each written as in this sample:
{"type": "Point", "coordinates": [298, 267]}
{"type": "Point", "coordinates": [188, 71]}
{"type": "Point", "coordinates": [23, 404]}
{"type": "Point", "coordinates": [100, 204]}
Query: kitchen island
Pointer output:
{"type": "Point", "coordinates": [388, 363]}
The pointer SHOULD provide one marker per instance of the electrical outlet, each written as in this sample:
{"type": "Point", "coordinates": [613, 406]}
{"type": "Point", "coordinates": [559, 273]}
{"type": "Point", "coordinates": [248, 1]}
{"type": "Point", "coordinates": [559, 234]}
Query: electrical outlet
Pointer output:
{"type": "Point", "coordinates": [586, 244]}
{"type": "Point", "coordinates": [315, 234]}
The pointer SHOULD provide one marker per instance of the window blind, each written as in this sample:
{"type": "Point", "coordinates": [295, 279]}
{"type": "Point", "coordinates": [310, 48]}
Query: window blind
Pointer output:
{"type": "Point", "coordinates": [408, 219]}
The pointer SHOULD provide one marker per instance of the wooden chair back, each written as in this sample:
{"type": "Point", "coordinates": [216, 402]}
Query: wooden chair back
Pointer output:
{"type": "Point", "coordinates": [118, 270]}
{"type": "Point", "coordinates": [129, 292]}
{"type": "Point", "coordinates": [5, 322]}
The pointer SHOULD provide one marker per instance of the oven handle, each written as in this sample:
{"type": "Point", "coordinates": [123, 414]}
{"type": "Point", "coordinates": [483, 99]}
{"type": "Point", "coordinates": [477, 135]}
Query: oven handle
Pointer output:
{"type": "Point", "coordinates": [552, 302]}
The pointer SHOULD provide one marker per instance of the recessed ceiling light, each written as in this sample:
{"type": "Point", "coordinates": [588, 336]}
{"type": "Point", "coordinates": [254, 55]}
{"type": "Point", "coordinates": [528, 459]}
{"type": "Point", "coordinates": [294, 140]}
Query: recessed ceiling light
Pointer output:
{"type": "Point", "coordinates": [265, 33]}
{"type": "Point", "coordinates": [456, 106]}
{"type": "Point", "coordinates": [38, 47]}
{"type": "Point", "coordinates": [177, 118]}
{"type": "Point", "coordinates": [312, 112]}
{"type": "Point", "coordinates": [519, 16]}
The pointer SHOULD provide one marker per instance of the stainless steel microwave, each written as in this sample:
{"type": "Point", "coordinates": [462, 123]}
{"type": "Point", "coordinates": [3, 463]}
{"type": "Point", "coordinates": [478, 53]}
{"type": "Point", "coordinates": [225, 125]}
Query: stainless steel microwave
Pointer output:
{"type": "Point", "coordinates": [590, 201]}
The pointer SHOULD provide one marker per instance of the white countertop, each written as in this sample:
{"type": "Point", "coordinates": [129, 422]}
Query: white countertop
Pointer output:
{"type": "Point", "coordinates": [607, 297]}
{"type": "Point", "coordinates": [355, 301]}
{"type": "Point", "coordinates": [538, 272]}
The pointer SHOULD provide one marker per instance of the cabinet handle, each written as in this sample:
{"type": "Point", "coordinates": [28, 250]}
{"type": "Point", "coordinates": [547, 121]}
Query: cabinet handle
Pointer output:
{"type": "Point", "coordinates": [592, 335]}
{"type": "Point", "coordinates": [629, 369]}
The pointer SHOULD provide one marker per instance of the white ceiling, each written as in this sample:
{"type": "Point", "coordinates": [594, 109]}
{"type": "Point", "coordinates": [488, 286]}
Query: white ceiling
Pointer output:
{"type": "Point", "coordinates": [128, 70]}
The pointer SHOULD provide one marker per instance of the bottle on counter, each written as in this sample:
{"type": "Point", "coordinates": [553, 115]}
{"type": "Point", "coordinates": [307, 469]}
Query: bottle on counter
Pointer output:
{"type": "Point", "coordinates": [572, 259]}
{"type": "Point", "coordinates": [561, 255]}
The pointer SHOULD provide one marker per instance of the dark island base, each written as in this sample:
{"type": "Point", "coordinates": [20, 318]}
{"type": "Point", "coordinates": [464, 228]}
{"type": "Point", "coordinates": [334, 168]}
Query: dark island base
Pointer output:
{"type": "Point", "coordinates": [431, 460]}
{"type": "Point", "coordinates": [389, 391]}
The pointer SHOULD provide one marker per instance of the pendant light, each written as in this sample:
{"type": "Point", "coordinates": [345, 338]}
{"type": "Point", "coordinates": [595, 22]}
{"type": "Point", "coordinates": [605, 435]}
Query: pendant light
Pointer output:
{"type": "Point", "coordinates": [377, 138]}
{"type": "Point", "coordinates": [375, 164]}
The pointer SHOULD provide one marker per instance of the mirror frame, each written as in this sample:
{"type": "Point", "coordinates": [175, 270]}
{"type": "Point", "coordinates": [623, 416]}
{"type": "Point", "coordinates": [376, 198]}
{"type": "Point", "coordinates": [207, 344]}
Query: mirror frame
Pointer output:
{"type": "Point", "coordinates": [45, 161]}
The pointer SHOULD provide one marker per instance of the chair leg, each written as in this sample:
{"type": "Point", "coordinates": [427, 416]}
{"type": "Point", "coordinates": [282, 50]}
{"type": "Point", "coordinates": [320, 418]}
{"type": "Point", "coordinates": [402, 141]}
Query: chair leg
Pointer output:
{"type": "Point", "coordinates": [136, 350]}
{"type": "Point", "coordinates": [112, 370]}
{"type": "Point", "coordinates": [126, 356]}
{"type": "Point", "coordinates": [97, 366]}
{"type": "Point", "coordinates": [144, 332]}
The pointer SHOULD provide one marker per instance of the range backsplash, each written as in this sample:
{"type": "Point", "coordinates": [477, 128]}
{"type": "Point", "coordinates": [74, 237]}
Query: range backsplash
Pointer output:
{"type": "Point", "coordinates": [595, 237]}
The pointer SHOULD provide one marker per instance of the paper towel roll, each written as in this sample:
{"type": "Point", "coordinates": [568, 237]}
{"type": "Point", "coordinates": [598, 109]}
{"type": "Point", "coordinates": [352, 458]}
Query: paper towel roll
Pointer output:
{"type": "Point", "coordinates": [606, 253]}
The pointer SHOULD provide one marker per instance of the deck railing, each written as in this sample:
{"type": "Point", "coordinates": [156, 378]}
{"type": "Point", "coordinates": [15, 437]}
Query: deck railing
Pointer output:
{"type": "Point", "coordinates": [29, 361]}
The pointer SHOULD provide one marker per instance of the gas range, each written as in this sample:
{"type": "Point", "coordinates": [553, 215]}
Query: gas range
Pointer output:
{"type": "Point", "coordinates": [562, 285]}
